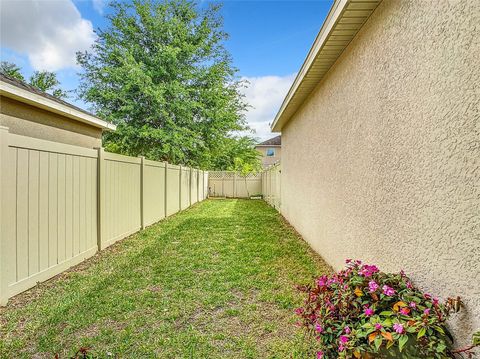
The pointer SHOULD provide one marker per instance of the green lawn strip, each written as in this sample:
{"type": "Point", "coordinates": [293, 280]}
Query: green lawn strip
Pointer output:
{"type": "Point", "coordinates": [215, 281]}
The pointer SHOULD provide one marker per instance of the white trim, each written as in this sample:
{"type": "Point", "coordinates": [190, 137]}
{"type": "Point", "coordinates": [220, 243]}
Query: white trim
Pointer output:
{"type": "Point", "coordinates": [335, 15]}
{"type": "Point", "coordinates": [268, 146]}
{"type": "Point", "coordinates": [25, 96]}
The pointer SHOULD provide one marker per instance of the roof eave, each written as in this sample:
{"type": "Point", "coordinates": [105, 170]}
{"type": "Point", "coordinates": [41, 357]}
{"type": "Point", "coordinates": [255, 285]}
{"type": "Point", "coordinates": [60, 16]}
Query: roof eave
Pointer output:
{"type": "Point", "coordinates": [344, 20]}
{"type": "Point", "coordinates": [38, 101]}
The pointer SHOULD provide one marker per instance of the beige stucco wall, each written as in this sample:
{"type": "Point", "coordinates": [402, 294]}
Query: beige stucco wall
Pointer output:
{"type": "Point", "coordinates": [382, 162]}
{"type": "Point", "coordinates": [267, 161]}
{"type": "Point", "coordinates": [26, 120]}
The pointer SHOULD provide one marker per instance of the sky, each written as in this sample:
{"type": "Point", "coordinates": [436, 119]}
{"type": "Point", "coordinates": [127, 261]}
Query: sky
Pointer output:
{"type": "Point", "coordinates": [268, 41]}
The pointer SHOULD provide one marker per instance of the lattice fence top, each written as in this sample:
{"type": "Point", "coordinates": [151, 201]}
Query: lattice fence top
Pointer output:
{"type": "Point", "coordinates": [231, 175]}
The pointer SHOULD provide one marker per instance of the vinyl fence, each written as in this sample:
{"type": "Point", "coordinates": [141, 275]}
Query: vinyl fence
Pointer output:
{"type": "Point", "coordinates": [60, 204]}
{"type": "Point", "coordinates": [233, 184]}
{"type": "Point", "coordinates": [272, 184]}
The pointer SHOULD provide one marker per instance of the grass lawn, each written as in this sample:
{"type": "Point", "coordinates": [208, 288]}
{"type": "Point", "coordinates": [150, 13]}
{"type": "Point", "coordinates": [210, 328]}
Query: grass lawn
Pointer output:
{"type": "Point", "coordinates": [215, 281]}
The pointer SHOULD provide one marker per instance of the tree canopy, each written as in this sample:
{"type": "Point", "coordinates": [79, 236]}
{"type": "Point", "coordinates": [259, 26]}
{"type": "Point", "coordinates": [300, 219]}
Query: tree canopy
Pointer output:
{"type": "Point", "coordinates": [161, 73]}
{"type": "Point", "coordinates": [45, 81]}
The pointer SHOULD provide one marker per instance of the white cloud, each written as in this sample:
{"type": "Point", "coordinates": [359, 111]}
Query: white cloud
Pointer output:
{"type": "Point", "coordinates": [99, 5]}
{"type": "Point", "coordinates": [265, 94]}
{"type": "Point", "coordinates": [49, 32]}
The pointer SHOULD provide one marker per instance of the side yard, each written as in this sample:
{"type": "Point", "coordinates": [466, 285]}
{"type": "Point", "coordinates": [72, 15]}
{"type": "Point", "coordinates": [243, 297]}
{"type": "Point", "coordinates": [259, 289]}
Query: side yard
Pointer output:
{"type": "Point", "coordinates": [216, 281]}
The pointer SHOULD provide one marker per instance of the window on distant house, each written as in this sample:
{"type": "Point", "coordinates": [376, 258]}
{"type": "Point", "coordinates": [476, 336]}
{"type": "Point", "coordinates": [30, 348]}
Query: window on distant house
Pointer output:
{"type": "Point", "coordinates": [270, 152]}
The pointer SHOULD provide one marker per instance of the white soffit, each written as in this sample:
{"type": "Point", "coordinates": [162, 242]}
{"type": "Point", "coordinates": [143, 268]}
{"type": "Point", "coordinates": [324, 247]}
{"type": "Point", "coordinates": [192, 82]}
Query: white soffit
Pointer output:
{"type": "Point", "coordinates": [344, 20]}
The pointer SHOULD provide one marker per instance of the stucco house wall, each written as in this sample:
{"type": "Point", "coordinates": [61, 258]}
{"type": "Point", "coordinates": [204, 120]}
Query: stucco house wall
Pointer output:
{"type": "Point", "coordinates": [26, 120]}
{"type": "Point", "coordinates": [382, 161]}
{"type": "Point", "coordinates": [269, 160]}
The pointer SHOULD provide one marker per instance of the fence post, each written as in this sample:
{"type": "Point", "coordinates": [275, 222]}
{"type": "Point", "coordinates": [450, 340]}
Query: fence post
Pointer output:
{"type": "Point", "coordinates": [180, 190]}
{"type": "Point", "coordinates": [3, 207]}
{"type": "Point", "coordinates": [100, 198]}
{"type": "Point", "coordinates": [223, 184]}
{"type": "Point", "coordinates": [190, 188]}
{"type": "Point", "coordinates": [235, 184]}
{"type": "Point", "coordinates": [207, 192]}
{"type": "Point", "coordinates": [142, 191]}
{"type": "Point", "coordinates": [198, 185]}
{"type": "Point", "coordinates": [165, 189]}
{"type": "Point", "coordinates": [203, 185]}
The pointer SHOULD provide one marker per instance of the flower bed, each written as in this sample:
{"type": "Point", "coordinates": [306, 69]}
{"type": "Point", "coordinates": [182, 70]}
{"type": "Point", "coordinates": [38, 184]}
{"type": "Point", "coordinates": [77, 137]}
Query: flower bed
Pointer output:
{"type": "Point", "coordinates": [362, 312]}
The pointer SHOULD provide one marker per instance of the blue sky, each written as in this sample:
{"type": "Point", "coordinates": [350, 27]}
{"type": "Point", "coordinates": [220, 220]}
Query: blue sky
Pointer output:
{"type": "Point", "coordinates": [268, 42]}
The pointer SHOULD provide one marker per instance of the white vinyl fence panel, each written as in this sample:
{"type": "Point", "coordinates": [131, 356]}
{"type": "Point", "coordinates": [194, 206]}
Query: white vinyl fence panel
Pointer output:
{"type": "Point", "coordinates": [60, 204]}
{"type": "Point", "coordinates": [233, 184]}
{"type": "Point", "coordinates": [272, 185]}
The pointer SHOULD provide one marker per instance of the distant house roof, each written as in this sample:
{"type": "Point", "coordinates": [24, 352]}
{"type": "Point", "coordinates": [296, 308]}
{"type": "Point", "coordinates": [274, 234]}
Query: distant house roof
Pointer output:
{"type": "Point", "coordinates": [345, 19]}
{"type": "Point", "coordinates": [275, 141]}
{"type": "Point", "coordinates": [20, 91]}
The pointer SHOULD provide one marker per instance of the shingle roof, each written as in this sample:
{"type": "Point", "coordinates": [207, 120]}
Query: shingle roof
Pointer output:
{"type": "Point", "coordinates": [27, 87]}
{"type": "Point", "coordinates": [275, 141]}
{"type": "Point", "coordinates": [20, 91]}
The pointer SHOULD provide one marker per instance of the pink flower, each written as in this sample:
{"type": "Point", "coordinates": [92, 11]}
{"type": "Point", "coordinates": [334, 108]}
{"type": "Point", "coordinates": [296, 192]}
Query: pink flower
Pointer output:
{"type": "Point", "coordinates": [341, 348]}
{"type": "Point", "coordinates": [413, 305]}
{"type": "Point", "coordinates": [378, 326]}
{"type": "Point", "coordinates": [347, 330]}
{"type": "Point", "coordinates": [372, 286]}
{"type": "Point", "coordinates": [368, 270]}
{"type": "Point", "coordinates": [404, 311]}
{"type": "Point", "coordinates": [398, 328]}
{"type": "Point", "coordinates": [319, 354]}
{"type": "Point", "coordinates": [426, 311]}
{"type": "Point", "coordinates": [409, 285]}
{"type": "Point", "coordinates": [435, 301]}
{"type": "Point", "coordinates": [318, 328]}
{"type": "Point", "coordinates": [348, 260]}
{"type": "Point", "coordinates": [368, 311]}
{"type": "Point", "coordinates": [427, 296]}
{"type": "Point", "coordinates": [322, 281]}
{"type": "Point", "coordinates": [299, 311]}
{"type": "Point", "coordinates": [388, 290]}
{"type": "Point", "coordinates": [343, 339]}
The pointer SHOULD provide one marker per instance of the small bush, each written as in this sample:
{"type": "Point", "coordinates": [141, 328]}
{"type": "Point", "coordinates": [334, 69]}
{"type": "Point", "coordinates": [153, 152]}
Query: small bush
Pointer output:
{"type": "Point", "coordinates": [362, 312]}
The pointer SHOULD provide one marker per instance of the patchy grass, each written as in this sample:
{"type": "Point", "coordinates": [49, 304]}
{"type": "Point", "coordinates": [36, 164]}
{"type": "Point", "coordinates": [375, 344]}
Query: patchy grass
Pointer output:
{"type": "Point", "coordinates": [216, 281]}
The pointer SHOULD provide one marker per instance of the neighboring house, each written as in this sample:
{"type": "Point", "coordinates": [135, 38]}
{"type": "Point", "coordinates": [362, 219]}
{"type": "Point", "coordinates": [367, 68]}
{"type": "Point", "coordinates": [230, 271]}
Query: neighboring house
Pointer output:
{"type": "Point", "coordinates": [29, 112]}
{"type": "Point", "coordinates": [271, 150]}
{"type": "Point", "coordinates": [381, 154]}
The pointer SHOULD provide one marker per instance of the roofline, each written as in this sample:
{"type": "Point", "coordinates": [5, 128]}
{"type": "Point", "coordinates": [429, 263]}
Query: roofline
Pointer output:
{"type": "Point", "coordinates": [361, 9]}
{"type": "Point", "coordinates": [30, 98]}
{"type": "Point", "coordinates": [268, 145]}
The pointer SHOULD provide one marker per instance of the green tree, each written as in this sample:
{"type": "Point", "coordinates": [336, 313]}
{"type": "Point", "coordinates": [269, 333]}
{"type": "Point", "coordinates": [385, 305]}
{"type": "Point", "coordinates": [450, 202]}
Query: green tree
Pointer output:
{"type": "Point", "coordinates": [160, 71]}
{"type": "Point", "coordinates": [234, 150]}
{"type": "Point", "coordinates": [244, 168]}
{"type": "Point", "coordinates": [45, 81]}
{"type": "Point", "coordinates": [11, 70]}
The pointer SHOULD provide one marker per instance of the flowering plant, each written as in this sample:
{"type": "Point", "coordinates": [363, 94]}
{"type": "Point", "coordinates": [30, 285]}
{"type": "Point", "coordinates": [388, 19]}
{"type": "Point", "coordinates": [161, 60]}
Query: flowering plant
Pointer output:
{"type": "Point", "coordinates": [362, 312]}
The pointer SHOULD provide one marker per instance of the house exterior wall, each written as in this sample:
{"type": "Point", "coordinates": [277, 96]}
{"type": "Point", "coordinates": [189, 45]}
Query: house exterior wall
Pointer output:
{"type": "Point", "coordinates": [269, 160]}
{"type": "Point", "coordinates": [27, 120]}
{"type": "Point", "coordinates": [382, 161]}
